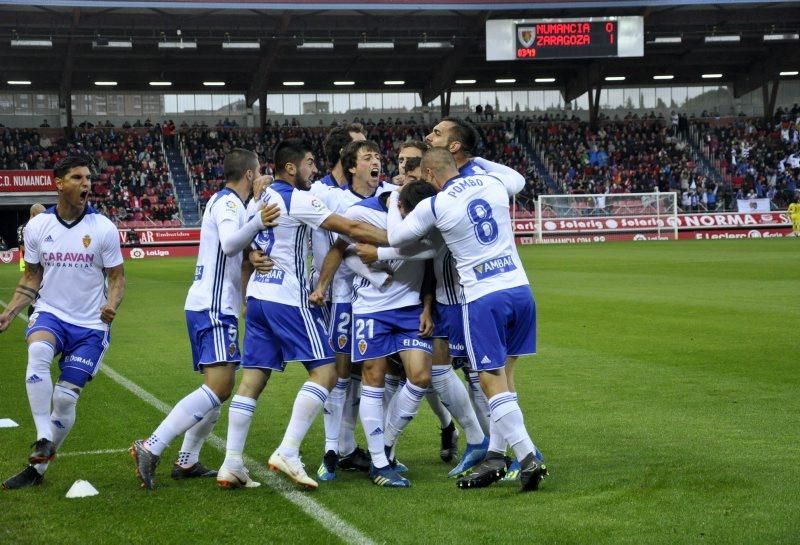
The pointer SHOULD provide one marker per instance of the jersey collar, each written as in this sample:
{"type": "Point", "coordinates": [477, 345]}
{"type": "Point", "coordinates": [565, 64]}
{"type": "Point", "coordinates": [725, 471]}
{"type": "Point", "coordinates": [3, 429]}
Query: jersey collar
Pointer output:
{"type": "Point", "coordinates": [86, 210]}
{"type": "Point", "coordinates": [451, 181]}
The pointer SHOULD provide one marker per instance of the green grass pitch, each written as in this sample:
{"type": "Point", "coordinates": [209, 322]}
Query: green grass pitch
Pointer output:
{"type": "Point", "coordinates": [665, 397]}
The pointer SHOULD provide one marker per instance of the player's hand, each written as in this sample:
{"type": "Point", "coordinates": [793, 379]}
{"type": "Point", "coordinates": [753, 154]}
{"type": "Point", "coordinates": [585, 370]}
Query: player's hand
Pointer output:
{"type": "Point", "coordinates": [367, 252]}
{"type": "Point", "coordinates": [425, 324]}
{"type": "Point", "coordinates": [107, 314]}
{"type": "Point", "coordinates": [317, 297]}
{"type": "Point", "coordinates": [260, 184]}
{"type": "Point", "coordinates": [262, 263]}
{"type": "Point", "coordinates": [400, 179]}
{"type": "Point", "coordinates": [269, 214]}
{"type": "Point", "coordinates": [5, 321]}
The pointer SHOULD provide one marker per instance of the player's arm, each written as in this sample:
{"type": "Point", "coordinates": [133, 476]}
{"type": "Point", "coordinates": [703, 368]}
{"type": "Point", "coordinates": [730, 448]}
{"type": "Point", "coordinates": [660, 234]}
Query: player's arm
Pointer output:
{"type": "Point", "coordinates": [427, 293]}
{"type": "Point", "coordinates": [329, 267]}
{"type": "Point", "coordinates": [416, 251]}
{"type": "Point", "coordinates": [513, 180]}
{"type": "Point", "coordinates": [356, 230]}
{"type": "Point", "coordinates": [378, 278]}
{"type": "Point", "coordinates": [116, 291]}
{"type": "Point", "coordinates": [233, 239]}
{"type": "Point", "coordinates": [404, 231]}
{"type": "Point", "coordinates": [25, 293]}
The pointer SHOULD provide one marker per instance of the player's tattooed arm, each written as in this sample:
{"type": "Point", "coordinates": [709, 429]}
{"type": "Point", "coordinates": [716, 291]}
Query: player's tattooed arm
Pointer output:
{"type": "Point", "coordinates": [356, 230]}
{"type": "Point", "coordinates": [116, 291]}
{"type": "Point", "coordinates": [25, 293]}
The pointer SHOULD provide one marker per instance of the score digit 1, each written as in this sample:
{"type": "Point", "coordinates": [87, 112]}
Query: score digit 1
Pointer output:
{"type": "Point", "coordinates": [610, 30]}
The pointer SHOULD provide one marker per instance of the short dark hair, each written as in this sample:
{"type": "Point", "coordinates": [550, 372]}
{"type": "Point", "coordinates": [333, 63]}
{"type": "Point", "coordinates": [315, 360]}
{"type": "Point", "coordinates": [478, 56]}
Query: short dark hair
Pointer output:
{"type": "Point", "coordinates": [465, 133]}
{"type": "Point", "coordinates": [350, 154]}
{"type": "Point", "coordinates": [237, 162]}
{"type": "Point", "coordinates": [414, 193]}
{"type": "Point", "coordinates": [291, 150]}
{"type": "Point", "coordinates": [421, 146]}
{"type": "Point", "coordinates": [337, 139]}
{"type": "Point", "coordinates": [63, 166]}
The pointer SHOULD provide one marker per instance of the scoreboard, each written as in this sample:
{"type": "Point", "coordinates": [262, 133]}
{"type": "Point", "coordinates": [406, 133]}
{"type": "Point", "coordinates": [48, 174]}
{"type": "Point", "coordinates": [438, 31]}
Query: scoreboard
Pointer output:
{"type": "Point", "coordinates": [590, 37]}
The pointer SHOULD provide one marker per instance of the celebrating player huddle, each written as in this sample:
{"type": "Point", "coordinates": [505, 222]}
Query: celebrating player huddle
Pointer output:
{"type": "Point", "coordinates": [409, 282]}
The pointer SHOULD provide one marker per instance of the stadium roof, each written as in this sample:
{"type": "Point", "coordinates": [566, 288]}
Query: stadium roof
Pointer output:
{"type": "Point", "coordinates": [317, 42]}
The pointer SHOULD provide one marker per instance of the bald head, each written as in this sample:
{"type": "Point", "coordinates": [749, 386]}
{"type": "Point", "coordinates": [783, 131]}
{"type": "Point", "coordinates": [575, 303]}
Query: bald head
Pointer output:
{"type": "Point", "coordinates": [37, 209]}
{"type": "Point", "coordinates": [438, 166]}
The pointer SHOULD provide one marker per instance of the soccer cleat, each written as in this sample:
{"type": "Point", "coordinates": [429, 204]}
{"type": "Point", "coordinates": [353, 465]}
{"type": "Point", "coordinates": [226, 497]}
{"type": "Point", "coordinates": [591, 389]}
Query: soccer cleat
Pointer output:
{"type": "Point", "coordinates": [387, 477]}
{"type": "Point", "coordinates": [197, 470]}
{"type": "Point", "coordinates": [25, 478]}
{"type": "Point", "coordinates": [327, 469]}
{"type": "Point", "coordinates": [358, 460]}
{"type": "Point", "coordinates": [293, 468]}
{"type": "Point", "coordinates": [513, 468]}
{"type": "Point", "coordinates": [473, 455]}
{"type": "Point", "coordinates": [532, 473]}
{"type": "Point", "coordinates": [487, 472]}
{"type": "Point", "coordinates": [394, 463]}
{"type": "Point", "coordinates": [449, 450]}
{"type": "Point", "coordinates": [146, 463]}
{"type": "Point", "coordinates": [235, 478]}
{"type": "Point", "coordinates": [44, 450]}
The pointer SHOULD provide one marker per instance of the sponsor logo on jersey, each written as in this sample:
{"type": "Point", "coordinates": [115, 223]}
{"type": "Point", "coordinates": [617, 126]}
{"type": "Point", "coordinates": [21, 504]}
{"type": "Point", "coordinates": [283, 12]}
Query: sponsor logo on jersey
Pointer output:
{"type": "Point", "coordinates": [77, 359]}
{"type": "Point", "coordinates": [362, 346]}
{"type": "Point", "coordinates": [317, 205]}
{"type": "Point", "coordinates": [275, 276]}
{"type": "Point", "coordinates": [198, 271]}
{"type": "Point", "coordinates": [493, 267]}
{"type": "Point", "coordinates": [68, 259]}
{"type": "Point", "coordinates": [486, 360]}
{"type": "Point", "coordinates": [342, 341]}
{"type": "Point", "coordinates": [232, 205]}
{"type": "Point", "coordinates": [86, 241]}
{"type": "Point", "coordinates": [48, 238]}
{"type": "Point", "coordinates": [416, 343]}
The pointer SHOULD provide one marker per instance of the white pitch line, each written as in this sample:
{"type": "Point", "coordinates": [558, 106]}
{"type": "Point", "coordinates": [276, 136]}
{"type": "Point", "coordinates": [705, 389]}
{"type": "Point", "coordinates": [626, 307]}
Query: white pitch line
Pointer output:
{"type": "Point", "coordinates": [22, 315]}
{"type": "Point", "coordinates": [93, 452]}
{"type": "Point", "coordinates": [328, 519]}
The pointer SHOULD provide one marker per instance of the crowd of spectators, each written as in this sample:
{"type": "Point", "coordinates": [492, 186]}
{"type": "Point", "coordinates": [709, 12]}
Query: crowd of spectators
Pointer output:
{"type": "Point", "coordinates": [628, 156]}
{"type": "Point", "coordinates": [132, 181]}
{"type": "Point", "coordinates": [758, 159]}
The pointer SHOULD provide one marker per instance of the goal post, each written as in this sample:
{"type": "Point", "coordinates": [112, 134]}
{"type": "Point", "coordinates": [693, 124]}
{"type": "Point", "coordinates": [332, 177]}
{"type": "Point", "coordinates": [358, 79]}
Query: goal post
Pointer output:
{"type": "Point", "coordinates": [606, 217]}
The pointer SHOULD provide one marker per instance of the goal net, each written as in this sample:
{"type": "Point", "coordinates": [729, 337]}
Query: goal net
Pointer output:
{"type": "Point", "coordinates": [606, 217]}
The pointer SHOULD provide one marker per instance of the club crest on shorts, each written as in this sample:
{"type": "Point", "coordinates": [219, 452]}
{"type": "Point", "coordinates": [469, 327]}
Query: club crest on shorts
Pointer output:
{"type": "Point", "coordinates": [342, 341]}
{"type": "Point", "coordinates": [86, 241]}
{"type": "Point", "coordinates": [362, 346]}
{"type": "Point", "coordinates": [526, 35]}
{"type": "Point", "coordinates": [32, 319]}
{"type": "Point", "coordinates": [231, 349]}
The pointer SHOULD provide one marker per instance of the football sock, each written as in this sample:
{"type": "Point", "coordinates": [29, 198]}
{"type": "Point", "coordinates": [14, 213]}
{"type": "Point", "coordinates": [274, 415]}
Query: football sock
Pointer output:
{"type": "Point", "coordinates": [189, 411]}
{"type": "Point", "coordinates": [240, 415]}
{"type": "Point", "coordinates": [195, 437]}
{"type": "Point", "coordinates": [454, 396]}
{"type": "Point", "coordinates": [438, 407]}
{"type": "Point", "coordinates": [478, 399]}
{"type": "Point", "coordinates": [307, 405]}
{"type": "Point", "coordinates": [62, 419]}
{"type": "Point", "coordinates": [333, 414]}
{"type": "Point", "coordinates": [39, 385]}
{"type": "Point", "coordinates": [371, 412]}
{"type": "Point", "coordinates": [403, 411]}
{"type": "Point", "coordinates": [391, 384]}
{"type": "Point", "coordinates": [347, 436]}
{"type": "Point", "coordinates": [508, 421]}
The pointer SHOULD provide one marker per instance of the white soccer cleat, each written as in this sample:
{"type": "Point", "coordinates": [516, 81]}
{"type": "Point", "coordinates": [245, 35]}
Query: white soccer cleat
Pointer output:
{"type": "Point", "coordinates": [235, 478]}
{"type": "Point", "coordinates": [293, 468]}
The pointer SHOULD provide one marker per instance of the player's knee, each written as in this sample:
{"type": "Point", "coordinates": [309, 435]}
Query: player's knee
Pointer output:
{"type": "Point", "coordinates": [253, 382]}
{"type": "Point", "coordinates": [65, 396]}
{"type": "Point", "coordinates": [40, 355]}
{"type": "Point", "coordinates": [420, 377]}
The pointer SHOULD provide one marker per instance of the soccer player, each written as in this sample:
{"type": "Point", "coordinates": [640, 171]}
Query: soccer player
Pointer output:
{"type": "Point", "coordinates": [74, 273]}
{"type": "Point", "coordinates": [280, 324]}
{"type": "Point", "coordinates": [386, 321]}
{"type": "Point", "coordinates": [338, 137]}
{"type": "Point", "coordinates": [35, 210]}
{"type": "Point", "coordinates": [212, 309]}
{"type": "Point", "coordinates": [361, 163]}
{"type": "Point", "coordinates": [461, 139]}
{"type": "Point", "coordinates": [499, 313]}
{"type": "Point", "coordinates": [794, 215]}
{"type": "Point", "coordinates": [413, 150]}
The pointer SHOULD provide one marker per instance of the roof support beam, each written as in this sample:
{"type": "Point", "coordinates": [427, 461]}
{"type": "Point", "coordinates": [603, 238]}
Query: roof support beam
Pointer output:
{"type": "Point", "coordinates": [268, 53]}
{"type": "Point", "coordinates": [65, 89]}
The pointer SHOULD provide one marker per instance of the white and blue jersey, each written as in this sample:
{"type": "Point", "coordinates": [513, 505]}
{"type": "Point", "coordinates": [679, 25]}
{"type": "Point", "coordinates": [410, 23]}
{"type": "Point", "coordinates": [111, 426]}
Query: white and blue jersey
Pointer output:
{"type": "Point", "coordinates": [472, 214]}
{"type": "Point", "coordinates": [281, 325]}
{"type": "Point", "coordinates": [217, 279]}
{"type": "Point", "coordinates": [73, 257]}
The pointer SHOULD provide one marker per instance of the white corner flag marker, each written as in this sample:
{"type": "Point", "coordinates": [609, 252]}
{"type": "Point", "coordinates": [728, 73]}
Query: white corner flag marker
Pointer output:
{"type": "Point", "coordinates": [8, 423]}
{"type": "Point", "coordinates": [82, 489]}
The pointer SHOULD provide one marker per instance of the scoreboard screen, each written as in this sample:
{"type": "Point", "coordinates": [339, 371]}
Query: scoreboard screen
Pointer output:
{"type": "Point", "coordinates": [591, 37]}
